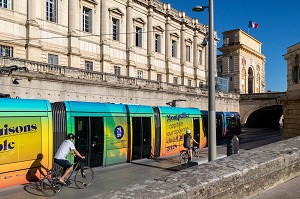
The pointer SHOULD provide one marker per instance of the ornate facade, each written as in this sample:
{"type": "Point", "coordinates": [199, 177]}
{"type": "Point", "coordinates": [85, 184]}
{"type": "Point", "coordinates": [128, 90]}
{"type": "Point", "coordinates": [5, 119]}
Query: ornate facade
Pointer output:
{"type": "Point", "coordinates": [143, 39]}
{"type": "Point", "coordinates": [242, 62]}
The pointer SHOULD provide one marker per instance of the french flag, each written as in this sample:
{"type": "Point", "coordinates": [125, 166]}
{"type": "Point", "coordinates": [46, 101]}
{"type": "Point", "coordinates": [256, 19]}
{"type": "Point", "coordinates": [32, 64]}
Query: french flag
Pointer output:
{"type": "Point", "coordinates": [252, 24]}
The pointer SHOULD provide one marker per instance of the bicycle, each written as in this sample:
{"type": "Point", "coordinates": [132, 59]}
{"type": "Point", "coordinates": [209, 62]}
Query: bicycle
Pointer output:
{"type": "Point", "coordinates": [185, 156]}
{"type": "Point", "coordinates": [83, 178]}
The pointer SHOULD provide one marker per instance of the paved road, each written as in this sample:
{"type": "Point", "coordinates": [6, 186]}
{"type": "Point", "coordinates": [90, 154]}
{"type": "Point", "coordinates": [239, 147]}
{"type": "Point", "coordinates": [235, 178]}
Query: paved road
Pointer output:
{"type": "Point", "coordinates": [115, 177]}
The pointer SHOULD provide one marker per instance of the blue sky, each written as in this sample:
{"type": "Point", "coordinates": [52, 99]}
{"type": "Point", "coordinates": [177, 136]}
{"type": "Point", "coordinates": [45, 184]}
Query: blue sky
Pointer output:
{"type": "Point", "coordinates": [279, 28]}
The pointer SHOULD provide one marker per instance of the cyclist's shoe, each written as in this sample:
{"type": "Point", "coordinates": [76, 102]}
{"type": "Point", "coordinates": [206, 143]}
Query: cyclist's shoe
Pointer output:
{"type": "Point", "coordinates": [68, 182]}
{"type": "Point", "coordinates": [62, 183]}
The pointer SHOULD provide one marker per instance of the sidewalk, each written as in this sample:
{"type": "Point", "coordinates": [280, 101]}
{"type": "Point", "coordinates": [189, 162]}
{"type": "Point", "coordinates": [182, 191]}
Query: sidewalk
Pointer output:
{"type": "Point", "coordinates": [287, 190]}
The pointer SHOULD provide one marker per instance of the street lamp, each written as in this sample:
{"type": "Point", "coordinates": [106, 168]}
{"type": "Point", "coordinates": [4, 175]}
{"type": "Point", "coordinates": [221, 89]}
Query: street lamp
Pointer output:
{"type": "Point", "coordinates": [212, 146]}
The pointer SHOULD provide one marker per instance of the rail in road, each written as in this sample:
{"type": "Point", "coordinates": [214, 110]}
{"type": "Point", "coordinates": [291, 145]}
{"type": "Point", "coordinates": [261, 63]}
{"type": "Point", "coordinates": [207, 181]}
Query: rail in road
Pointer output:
{"type": "Point", "coordinates": [117, 176]}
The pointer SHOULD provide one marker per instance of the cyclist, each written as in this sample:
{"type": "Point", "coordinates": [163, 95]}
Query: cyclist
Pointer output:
{"type": "Point", "coordinates": [188, 142]}
{"type": "Point", "coordinates": [60, 156]}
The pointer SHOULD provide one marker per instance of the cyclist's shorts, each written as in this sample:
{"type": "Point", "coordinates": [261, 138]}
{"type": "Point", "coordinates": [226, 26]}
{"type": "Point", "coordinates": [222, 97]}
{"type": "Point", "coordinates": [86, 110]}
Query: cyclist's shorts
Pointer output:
{"type": "Point", "coordinates": [63, 163]}
{"type": "Point", "coordinates": [189, 148]}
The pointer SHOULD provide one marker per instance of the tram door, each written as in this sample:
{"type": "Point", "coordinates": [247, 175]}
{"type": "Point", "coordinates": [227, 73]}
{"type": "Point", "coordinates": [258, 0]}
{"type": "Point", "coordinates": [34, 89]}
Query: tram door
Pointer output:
{"type": "Point", "coordinates": [196, 122]}
{"type": "Point", "coordinates": [141, 137]}
{"type": "Point", "coordinates": [89, 133]}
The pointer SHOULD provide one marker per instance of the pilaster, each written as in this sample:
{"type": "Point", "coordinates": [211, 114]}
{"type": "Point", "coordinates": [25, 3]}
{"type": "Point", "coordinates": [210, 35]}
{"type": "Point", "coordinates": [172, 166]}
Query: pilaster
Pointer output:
{"type": "Point", "coordinates": [73, 40]}
{"type": "Point", "coordinates": [150, 41]}
{"type": "Point", "coordinates": [129, 30]}
{"type": "Point", "coordinates": [33, 45]}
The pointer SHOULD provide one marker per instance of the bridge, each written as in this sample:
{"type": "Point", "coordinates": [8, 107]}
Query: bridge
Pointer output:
{"type": "Point", "coordinates": [262, 110]}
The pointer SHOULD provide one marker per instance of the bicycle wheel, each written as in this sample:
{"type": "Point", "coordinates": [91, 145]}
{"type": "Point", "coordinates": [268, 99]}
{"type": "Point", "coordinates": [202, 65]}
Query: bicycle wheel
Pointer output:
{"type": "Point", "coordinates": [196, 153]}
{"type": "Point", "coordinates": [184, 157]}
{"type": "Point", "coordinates": [49, 185]}
{"type": "Point", "coordinates": [84, 177]}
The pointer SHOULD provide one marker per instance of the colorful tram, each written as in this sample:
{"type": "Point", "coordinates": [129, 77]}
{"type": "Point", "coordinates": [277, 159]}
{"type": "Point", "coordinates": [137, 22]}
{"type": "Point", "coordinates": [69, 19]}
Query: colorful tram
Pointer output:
{"type": "Point", "coordinates": [227, 124]}
{"type": "Point", "coordinates": [106, 133]}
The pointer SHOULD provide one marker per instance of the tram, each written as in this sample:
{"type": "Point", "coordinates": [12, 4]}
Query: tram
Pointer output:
{"type": "Point", "coordinates": [106, 133]}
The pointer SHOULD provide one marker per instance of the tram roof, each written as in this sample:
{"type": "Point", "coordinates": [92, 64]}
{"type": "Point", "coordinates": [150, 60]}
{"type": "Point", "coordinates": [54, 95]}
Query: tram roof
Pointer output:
{"type": "Point", "coordinates": [94, 107]}
{"type": "Point", "coordinates": [178, 110]}
{"type": "Point", "coordinates": [24, 105]}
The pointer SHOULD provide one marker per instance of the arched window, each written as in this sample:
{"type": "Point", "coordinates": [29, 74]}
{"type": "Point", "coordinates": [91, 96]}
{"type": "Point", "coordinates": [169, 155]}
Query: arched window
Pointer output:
{"type": "Point", "coordinates": [250, 80]}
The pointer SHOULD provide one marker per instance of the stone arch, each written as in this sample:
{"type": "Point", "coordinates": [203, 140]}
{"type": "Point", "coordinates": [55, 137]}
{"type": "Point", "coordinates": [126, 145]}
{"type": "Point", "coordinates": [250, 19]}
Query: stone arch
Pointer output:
{"type": "Point", "coordinates": [265, 117]}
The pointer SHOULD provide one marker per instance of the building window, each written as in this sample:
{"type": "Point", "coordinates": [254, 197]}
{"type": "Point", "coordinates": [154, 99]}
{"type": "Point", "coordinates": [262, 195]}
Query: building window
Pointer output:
{"type": "Point", "coordinates": [52, 59]}
{"type": "Point", "coordinates": [174, 48]}
{"type": "Point", "coordinates": [6, 51]}
{"type": "Point", "coordinates": [220, 68]}
{"type": "Point", "coordinates": [190, 83]}
{"type": "Point", "coordinates": [88, 65]}
{"type": "Point", "coordinates": [175, 80]}
{"type": "Point", "coordinates": [188, 53]}
{"type": "Point", "coordinates": [138, 37]}
{"type": "Point", "coordinates": [140, 74]}
{"type": "Point", "coordinates": [87, 20]}
{"type": "Point", "coordinates": [6, 4]}
{"type": "Point", "coordinates": [51, 10]}
{"type": "Point", "coordinates": [117, 70]}
{"type": "Point", "coordinates": [157, 43]}
{"type": "Point", "coordinates": [200, 57]}
{"type": "Point", "coordinates": [115, 29]}
{"type": "Point", "coordinates": [159, 77]}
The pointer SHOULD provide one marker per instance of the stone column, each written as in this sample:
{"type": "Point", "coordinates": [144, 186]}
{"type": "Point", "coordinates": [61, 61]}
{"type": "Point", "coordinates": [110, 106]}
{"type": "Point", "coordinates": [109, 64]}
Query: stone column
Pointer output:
{"type": "Point", "coordinates": [150, 41]}
{"type": "Point", "coordinates": [195, 57]}
{"type": "Point", "coordinates": [182, 53]}
{"type": "Point", "coordinates": [73, 41]}
{"type": "Point", "coordinates": [167, 48]}
{"type": "Point", "coordinates": [33, 47]}
{"type": "Point", "coordinates": [105, 22]}
{"type": "Point", "coordinates": [129, 35]}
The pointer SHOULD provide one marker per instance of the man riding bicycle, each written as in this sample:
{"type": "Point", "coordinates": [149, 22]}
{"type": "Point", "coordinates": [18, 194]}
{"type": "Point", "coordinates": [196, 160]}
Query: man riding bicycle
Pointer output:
{"type": "Point", "coordinates": [188, 142]}
{"type": "Point", "coordinates": [60, 156]}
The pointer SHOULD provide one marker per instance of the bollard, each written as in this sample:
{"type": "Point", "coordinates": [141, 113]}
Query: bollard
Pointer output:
{"type": "Point", "coordinates": [236, 144]}
{"type": "Point", "coordinates": [233, 146]}
{"type": "Point", "coordinates": [229, 149]}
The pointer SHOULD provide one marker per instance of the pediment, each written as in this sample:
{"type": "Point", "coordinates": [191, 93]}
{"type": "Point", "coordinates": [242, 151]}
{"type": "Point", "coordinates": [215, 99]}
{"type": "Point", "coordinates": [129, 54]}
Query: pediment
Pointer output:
{"type": "Point", "coordinates": [189, 41]}
{"type": "Point", "coordinates": [116, 11]}
{"type": "Point", "coordinates": [158, 28]}
{"type": "Point", "coordinates": [175, 35]}
{"type": "Point", "coordinates": [139, 20]}
{"type": "Point", "coordinates": [92, 2]}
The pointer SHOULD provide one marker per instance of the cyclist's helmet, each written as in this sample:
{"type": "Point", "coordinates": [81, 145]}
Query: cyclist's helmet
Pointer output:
{"type": "Point", "coordinates": [70, 135]}
{"type": "Point", "coordinates": [188, 131]}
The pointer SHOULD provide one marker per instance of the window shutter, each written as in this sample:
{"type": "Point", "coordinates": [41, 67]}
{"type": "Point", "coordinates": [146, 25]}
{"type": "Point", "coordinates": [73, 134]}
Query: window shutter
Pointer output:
{"type": "Point", "coordinates": [158, 43]}
{"type": "Point", "coordinates": [90, 21]}
{"type": "Point", "coordinates": [117, 29]}
{"type": "Point", "coordinates": [9, 4]}
{"type": "Point", "coordinates": [140, 38]}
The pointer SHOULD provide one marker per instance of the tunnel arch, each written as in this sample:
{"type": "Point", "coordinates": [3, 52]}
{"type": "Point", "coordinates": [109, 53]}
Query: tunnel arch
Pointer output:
{"type": "Point", "coordinates": [265, 117]}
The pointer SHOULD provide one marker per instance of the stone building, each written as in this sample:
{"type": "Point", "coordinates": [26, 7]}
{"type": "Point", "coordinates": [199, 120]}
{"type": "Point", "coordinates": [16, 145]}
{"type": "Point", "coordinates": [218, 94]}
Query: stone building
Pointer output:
{"type": "Point", "coordinates": [144, 39]}
{"type": "Point", "coordinates": [242, 62]}
{"type": "Point", "coordinates": [292, 103]}
{"type": "Point", "coordinates": [125, 51]}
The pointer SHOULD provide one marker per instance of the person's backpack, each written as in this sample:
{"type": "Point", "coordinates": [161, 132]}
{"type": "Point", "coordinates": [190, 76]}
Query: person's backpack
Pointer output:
{"type": "Point", "coordinates": [187, 141]}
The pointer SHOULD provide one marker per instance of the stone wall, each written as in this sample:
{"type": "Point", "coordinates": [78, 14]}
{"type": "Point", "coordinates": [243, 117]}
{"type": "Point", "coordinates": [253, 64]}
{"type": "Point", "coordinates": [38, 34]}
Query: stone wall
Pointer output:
{"type": "Point", "coordinates": [292, 104]}
{"type": "Point", "coordinates": [235, 177]}
{"type": "Point", "coordinates": [57, 83]}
